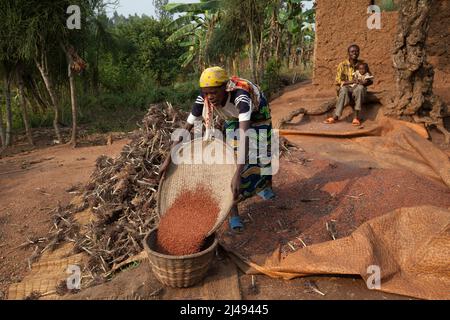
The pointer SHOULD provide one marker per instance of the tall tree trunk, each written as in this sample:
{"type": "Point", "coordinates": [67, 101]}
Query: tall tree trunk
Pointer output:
{"type": "Point", "coordinates": [201, 63]}
{"type": "Point", "coordinates": [299, 56]}
{"type": "Point", "coordinates": [73, 99]}
{"type": "Point", "coordinates": [288, 50]}
{"type": "Point", "coordinates": [8, 135]}
{"type": "Point", "coordinates": [71, 56]}
{"type": "Point", "coordinates": [235, 61]}
{"type": "Point", "coordinates": [259, 59]}
{"type": "Point", "coordinates": [252, 53]}
{"type": "Point", "coordinates": [23, 105]}
{"type": "Point", "coordinates": [414, 99]}
{"type": "Point", "coordinates": [209, 33]}
{"type": "Point", "coordinates": [51, 91]}
{"type": "Point", "coordinates": [278, 45]}
{"type": "Point", "coordinates": [274, 33]}
{"type": "Point", "coordinates": [35, 91]}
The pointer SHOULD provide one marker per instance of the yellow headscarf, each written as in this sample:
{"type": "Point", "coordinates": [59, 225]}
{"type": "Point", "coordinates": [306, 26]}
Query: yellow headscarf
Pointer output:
{"type": "Point", "coordinates": [213, 77]}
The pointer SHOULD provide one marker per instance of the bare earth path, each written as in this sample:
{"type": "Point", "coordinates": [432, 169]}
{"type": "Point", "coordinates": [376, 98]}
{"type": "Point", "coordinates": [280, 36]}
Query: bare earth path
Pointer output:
{"type": "Point", "coordinates": [32, 184]}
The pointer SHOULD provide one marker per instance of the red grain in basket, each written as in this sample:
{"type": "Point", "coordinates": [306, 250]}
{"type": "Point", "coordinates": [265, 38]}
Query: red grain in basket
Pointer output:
{"type": "Point", "coordinates": [183, 228]}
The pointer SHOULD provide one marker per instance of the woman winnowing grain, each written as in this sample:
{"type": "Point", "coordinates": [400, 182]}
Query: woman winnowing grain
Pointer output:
{"type": "Point", "coordinates": [242, 106]}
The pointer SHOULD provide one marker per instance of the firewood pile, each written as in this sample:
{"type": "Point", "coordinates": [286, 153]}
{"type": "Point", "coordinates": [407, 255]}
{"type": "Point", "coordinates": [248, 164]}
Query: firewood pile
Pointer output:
{"type": "Point", "coordinates": [122, 195]}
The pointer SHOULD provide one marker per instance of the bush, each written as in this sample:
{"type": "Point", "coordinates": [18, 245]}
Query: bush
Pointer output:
{"type": "Point", "coordinates": [271, 81]}
{"type": "Point", "coordinates": [388, 5]}
{"type": "Point", "coordinates": [111, 111]}
{"type": "Point", "coordinates": [121, 111]}
{"type": "Point", "coordinates": [183, 94]}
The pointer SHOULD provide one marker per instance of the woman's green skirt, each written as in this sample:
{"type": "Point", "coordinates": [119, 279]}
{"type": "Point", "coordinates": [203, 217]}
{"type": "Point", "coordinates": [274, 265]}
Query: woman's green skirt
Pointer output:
{"type": "Point", "coordinates": [256, 175]}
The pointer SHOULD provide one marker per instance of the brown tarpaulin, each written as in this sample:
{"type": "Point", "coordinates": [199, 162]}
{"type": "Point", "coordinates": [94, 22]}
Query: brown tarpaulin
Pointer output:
{"type": "Point", "coordinates": [411, 245]}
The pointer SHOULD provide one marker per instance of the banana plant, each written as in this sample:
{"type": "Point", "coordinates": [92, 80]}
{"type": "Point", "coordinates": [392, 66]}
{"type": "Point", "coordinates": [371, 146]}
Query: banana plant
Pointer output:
{"type": "Point", "coordinates": [194, 28]}
{"type": "Point", "coordinates": [297, 25]}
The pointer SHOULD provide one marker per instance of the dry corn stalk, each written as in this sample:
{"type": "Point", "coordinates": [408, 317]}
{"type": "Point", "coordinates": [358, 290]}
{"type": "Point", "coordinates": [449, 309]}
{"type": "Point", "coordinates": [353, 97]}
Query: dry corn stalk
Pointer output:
{"type": "Point", "coordinates": [122, 195]}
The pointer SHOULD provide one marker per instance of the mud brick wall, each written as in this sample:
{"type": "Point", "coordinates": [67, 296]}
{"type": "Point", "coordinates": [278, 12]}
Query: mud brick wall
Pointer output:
{"type": "Point", "coordinates": [341, 23]}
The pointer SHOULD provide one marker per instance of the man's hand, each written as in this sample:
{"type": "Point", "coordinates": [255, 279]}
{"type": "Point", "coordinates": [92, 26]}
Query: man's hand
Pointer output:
{"type": "Point", "coordinates": [367, 82]}
{"type": "Point", "coordinates": [348, 83]}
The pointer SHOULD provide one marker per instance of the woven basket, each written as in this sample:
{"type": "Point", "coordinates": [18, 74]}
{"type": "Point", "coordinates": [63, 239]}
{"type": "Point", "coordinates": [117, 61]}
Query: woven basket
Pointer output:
{"type": "Point", "coordinates": [180, 271]}
{"type": "Point", "coordinates": [186, 271]}
{"type": "Point", "coordinates": [216, 177]}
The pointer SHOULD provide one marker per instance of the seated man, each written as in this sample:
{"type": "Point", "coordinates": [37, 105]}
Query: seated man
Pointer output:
{"type": "Point", "coordinates": [350, 87]}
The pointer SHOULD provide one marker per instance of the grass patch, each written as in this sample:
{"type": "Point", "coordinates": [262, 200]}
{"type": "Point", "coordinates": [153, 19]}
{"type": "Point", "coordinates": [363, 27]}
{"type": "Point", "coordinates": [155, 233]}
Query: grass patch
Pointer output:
{"type": "Point", "coordinates": [388, 5]}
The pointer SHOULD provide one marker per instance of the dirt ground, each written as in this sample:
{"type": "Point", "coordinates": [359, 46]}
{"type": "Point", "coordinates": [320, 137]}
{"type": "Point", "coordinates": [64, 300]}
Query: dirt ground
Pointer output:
{"type": "Point", "coordinates": [32, 184]}
{"type": "Point", "coordinates": [140, 283]}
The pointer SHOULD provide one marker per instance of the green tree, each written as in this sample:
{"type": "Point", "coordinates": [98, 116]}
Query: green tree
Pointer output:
{"type": "Point", "coordinates": [146, 48]}
{"type": "Point", "coordinates": [195, 28]}
{"type": "Point", "coordinates": [13, 54]}
{"type": "Point", "coordinates": [161, 12]}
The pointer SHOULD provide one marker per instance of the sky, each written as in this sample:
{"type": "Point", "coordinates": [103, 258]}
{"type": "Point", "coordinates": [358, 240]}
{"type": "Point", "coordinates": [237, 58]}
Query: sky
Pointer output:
{"type": "Point", "coordinates": [130, 7]}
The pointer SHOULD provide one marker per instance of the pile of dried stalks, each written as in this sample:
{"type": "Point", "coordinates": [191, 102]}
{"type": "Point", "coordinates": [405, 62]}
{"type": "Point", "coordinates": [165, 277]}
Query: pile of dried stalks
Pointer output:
{"type": "Point", "coordinates": [122, 195]}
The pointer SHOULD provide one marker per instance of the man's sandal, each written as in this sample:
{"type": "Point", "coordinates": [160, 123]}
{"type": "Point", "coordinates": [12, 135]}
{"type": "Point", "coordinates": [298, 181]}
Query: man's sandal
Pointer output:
{"type": "Point", "coordinates": [236, 224]}
{"type": "Point", "coordinates": [330, 121]}
{"type": "Point", "coordinates": [356, 122]}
